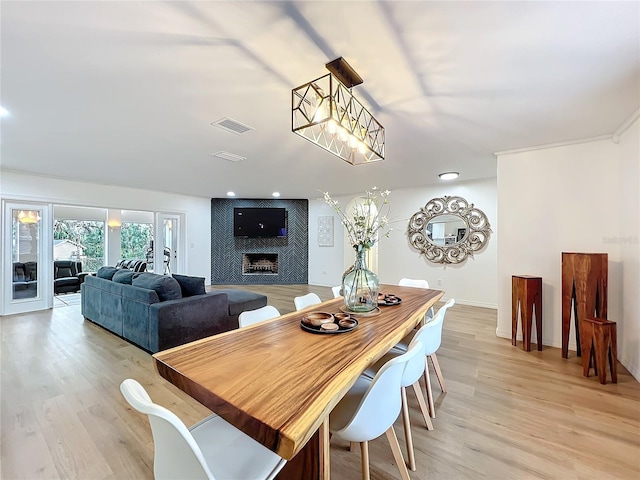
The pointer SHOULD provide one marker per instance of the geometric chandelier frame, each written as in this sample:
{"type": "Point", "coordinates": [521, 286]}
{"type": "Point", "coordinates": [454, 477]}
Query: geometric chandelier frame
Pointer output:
{"type": "Point", "coordinates": [325, 112]}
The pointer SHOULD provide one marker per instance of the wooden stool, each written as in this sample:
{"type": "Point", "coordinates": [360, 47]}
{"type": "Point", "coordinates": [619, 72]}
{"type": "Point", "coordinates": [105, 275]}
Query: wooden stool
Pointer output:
{"type": "Point", "coordinates": [603, 344]}
{"type": "Point", "coordinates": [526, 291]}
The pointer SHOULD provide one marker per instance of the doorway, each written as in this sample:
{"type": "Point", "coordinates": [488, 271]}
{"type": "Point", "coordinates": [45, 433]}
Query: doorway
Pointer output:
{"type": "Point", "coordinates": [27, 259]}
{"type": "Point", "coordinates": [169, 258]}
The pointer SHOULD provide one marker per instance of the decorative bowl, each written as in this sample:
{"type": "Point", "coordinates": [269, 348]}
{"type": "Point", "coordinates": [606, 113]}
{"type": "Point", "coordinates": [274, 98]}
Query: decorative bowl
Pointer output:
{"type": "Point", "coordinates": [329, 327]}
{"type": "Point", "coordinates": [347, 322]}
{"type": "Point", "coordinates": [315, 319]}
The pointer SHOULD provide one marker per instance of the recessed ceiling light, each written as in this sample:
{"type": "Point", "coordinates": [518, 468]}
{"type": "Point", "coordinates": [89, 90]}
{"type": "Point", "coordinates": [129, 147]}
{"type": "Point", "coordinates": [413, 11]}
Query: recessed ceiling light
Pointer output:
{"type": "Point", "coordinates": [4, 112]}
{"type": "Point", "coordinates": [231, 194]}
{"type": "Point", "coordinates": [449, 175]}
{"type": "Point", "coordinates": [275, 194]}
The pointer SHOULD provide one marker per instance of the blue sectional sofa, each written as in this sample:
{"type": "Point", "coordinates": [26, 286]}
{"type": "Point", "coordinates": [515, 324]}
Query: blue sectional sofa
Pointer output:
{"type": "Point", "coordinates": [156, 312]}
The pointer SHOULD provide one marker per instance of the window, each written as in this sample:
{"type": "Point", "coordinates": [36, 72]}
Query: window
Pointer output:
{"type": "Point", "coordinates": [136, 240]}
{"type": "Point", "coordinates": [81, 240]}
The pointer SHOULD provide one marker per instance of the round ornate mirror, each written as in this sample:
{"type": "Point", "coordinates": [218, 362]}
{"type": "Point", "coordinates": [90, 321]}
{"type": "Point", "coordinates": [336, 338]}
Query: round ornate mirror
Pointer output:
{"type": "Point", "coordinates": [448, 230]}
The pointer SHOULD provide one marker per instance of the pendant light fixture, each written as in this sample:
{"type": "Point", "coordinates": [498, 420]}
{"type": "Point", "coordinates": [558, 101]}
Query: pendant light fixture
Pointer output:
{"type": "Point", "coordinates": [325, 112]}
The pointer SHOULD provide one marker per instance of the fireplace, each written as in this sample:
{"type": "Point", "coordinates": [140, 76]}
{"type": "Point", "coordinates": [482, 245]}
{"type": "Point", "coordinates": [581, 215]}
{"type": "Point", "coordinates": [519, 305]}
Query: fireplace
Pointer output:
{"type": "Point", "coordinates": [259, 263]}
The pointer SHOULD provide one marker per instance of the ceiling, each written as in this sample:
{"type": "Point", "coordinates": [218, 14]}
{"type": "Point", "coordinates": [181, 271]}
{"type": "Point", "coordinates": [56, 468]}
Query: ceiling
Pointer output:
{"type": "Point", "coordinates": [123, 93]}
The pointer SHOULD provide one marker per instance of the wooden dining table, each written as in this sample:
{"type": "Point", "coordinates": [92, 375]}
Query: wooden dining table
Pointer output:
{"type": "Point", "coordinates": [278, 383]}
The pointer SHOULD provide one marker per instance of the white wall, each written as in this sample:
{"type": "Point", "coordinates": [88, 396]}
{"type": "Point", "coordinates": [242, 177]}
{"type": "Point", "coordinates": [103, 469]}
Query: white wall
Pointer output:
{"type": "Point", "coordinates": [326, 264]}
{"type": "Point", "coordinates": [473, 283]}
{"type": "Point", "coordinates": [197, 210]}
{"type": "Point", "coordinates": [629, 241]}
{"type": "Point", "coordinates": [575, 198]}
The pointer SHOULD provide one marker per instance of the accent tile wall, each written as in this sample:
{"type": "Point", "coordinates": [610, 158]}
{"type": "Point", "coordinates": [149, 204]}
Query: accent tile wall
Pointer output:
{"type": "Point", "coordinates": [227, 250]}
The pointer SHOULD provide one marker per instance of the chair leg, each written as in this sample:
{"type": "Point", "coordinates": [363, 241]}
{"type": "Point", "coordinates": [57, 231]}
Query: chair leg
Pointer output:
{"type": "Point", "coordinates": [352, 446]}
{"type": "Point", "coordinates": [397, 454]}
{"type": "Point", "coordinates": [364, 457]}
{"type": "Point", "coordinates": [423, 405]}
{"type": "Point", "coordinates": [436, 367]}
{"type": "Point", "coordinates": [427, 381]}
{"type": "Point", "coordinates": [406, 422]}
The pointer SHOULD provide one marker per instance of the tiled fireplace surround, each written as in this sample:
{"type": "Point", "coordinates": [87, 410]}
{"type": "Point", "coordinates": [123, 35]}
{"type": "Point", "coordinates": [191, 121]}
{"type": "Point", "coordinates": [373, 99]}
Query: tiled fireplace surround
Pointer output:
{"type": "Point", "coordinates": [275, 260]}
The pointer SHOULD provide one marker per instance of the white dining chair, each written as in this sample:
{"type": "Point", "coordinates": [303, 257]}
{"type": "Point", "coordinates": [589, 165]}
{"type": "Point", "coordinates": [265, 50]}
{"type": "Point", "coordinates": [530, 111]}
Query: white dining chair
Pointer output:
{"type": "Point", "coordinates": [210, 449]}
{"type": "Point", "coordinates": [336, 291]}
{"type": "Point", "coordinates": [249, 317]}
{"type": "Point", "coordinates": [410, 378]}
{"type": "Point", "coordinates": [370, 408]}
{"type": "Point", "coordinates": [411, 282]}
{"type": "Point", "coordinates": [417, 283]}
{"type": "Point", "coordinates": [431, 338]}
{"type": "Point", "coordinates": [307, 300]}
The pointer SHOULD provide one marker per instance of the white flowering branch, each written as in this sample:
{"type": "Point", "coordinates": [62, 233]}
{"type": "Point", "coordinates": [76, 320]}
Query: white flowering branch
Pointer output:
{"type": "Point", "coordinates": [368, 219]}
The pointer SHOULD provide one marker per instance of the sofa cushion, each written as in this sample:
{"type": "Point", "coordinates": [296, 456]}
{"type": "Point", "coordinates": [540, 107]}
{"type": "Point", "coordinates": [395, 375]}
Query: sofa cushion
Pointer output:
{"type": "Point", "coordinates": [167, 288]}
{"type": "Point", "coordinates": [124, 276]}
{"type": "Point", "coordinates": [241, 300]}
{"type": "Point", "coordinates": [106, 272]}
{"type": "Point", "coordinates": [190, 286]}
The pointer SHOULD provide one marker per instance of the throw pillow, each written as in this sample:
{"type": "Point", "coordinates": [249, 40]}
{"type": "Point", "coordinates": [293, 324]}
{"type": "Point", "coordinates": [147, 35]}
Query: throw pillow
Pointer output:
{"type": "Point", "coordinates": [167, 288]}
{"type": "Point", "coordinates": [190, 286]}
{"type": "Point", "coordinates": [106, 272]}
{"type": "Point", "coordinates": [124, 276]}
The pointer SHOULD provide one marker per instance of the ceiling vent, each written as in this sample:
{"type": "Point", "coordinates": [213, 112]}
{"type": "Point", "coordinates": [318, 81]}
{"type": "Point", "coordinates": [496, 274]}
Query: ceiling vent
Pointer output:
{"type": "Point", "coordinates": [232, 126]}
{"type": "Point", "coordinates": [229, 157]}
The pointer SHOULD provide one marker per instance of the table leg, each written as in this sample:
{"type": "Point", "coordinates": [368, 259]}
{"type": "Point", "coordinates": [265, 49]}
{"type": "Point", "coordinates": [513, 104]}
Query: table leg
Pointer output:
{"type": "Point", "coordinates": [312, 462]}
{"type": "Point", "coordinates": [527, 319]}
{"type": "Point", "coordinates": [325, 467]}
{"type": "Point", "coordinates": [538, 303]}
{"type": "Point", "coordinates": [613, 354]}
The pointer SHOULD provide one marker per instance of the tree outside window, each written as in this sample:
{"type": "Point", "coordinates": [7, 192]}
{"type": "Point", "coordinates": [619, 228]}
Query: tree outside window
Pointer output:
{"type": "Point", "coordinates": [136, 240]}
{"type": "Point", "coordinates": [87, 240]}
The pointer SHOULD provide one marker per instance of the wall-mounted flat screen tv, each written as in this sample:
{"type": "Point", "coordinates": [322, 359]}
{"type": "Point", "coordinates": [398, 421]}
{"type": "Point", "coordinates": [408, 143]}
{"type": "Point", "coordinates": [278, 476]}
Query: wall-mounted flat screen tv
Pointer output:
{"type": "Point", "coordinates": [255, 222]}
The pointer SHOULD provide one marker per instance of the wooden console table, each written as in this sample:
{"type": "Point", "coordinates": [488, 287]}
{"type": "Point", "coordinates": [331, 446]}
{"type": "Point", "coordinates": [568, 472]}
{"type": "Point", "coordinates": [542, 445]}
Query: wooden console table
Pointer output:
{"type": "Point", "coordinates": [526, 292]}
{"type": "Point", "coordinates": [584, 282]}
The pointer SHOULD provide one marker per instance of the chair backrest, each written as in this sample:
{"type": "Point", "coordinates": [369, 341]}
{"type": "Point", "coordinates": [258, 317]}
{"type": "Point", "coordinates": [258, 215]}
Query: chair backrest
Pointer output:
{"type": "Point", "coordinates": [65, 268]}
{"type": "Point", "coordinates": [431, 333]}
{"type": "Point", "coordinates": [177, 455]}
{"type": "Point", "coordinates": [380, 406]}
{"type": "Point", "coordinates": [410, 282]}
{"type": "Point", "coordinates": [336, 291]}
{"type": "Point", "coordinates": [31, 269]}
{"type": "Point", "coordinates": [415, 366]}
{"type": "Point", "coordinates": [306, 301]}
{"type": "Point", "coordinates": [250, 317]}
{"type": "Point", "coordinates": [19, 272]}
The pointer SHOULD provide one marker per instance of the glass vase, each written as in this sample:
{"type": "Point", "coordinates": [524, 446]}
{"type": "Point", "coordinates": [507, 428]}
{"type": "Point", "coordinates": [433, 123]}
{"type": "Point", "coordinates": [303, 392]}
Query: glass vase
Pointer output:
{"type": "Point", "coordinates": [360, 285]}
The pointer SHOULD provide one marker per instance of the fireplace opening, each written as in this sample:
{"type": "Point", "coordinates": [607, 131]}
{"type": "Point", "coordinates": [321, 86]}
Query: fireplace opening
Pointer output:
{"type": "Point", "coordinates": [259, 263]}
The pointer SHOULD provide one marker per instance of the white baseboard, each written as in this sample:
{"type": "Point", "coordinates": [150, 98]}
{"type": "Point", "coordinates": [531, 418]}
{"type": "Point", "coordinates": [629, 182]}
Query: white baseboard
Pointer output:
{"type": "Point", "coordinates": [627, 363]}
{"type": "Point", "coordinates": [472, 303]}
{"type": "Point", "coordinates": [546, 342]}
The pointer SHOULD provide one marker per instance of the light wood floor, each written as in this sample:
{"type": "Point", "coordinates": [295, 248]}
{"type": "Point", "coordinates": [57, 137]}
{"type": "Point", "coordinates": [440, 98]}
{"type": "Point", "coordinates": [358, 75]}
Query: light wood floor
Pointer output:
{"type": "Point", "coordinates": [508, 414]}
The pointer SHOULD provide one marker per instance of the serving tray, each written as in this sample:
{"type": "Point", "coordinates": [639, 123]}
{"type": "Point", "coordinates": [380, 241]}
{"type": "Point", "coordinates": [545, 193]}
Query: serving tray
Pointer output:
{"type": "Point", "coordinates": [312, 329]}
{"type": "Point", "coordinates": [388, 302]}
